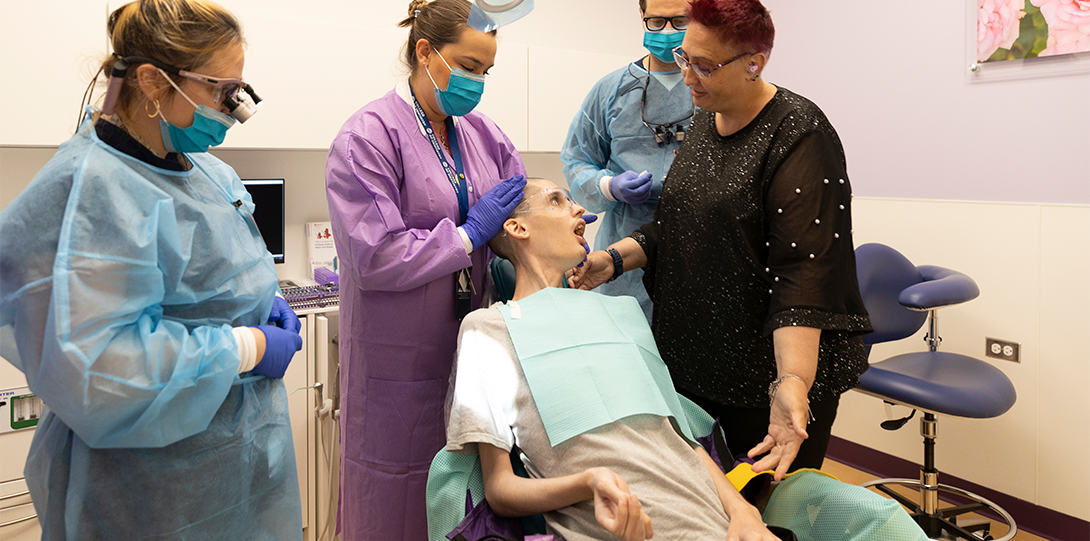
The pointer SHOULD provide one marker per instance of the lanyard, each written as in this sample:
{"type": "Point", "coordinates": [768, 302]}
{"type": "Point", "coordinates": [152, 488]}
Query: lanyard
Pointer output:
{"type": "Point", "coordinates": [455, 174]}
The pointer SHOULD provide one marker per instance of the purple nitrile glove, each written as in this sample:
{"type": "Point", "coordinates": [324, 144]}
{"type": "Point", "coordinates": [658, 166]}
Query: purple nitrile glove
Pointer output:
{"type": "Point", "coordinates": [486, 218]}
{"type": "Point", "coordinates": [631, 187]}
{"type": "Point", "coordinates": [283, 316]}
{"type": "Point", "coordinates": [587, 219]}
{"type": "Point", "coordinates": [280, 347]}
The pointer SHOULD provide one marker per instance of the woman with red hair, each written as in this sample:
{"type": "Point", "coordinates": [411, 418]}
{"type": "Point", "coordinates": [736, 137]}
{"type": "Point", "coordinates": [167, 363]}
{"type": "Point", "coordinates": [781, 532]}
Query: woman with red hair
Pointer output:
{"type": "Point", "coordinates": [750, 260]}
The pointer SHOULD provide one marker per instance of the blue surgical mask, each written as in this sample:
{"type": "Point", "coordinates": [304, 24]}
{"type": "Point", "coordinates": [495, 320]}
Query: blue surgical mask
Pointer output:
{"type": "Point", "coordinates": [463, 93]}
{"type": "Point", "coordinates": [208, 129]}
{"type": "Point", "coordinates": [662, 43]}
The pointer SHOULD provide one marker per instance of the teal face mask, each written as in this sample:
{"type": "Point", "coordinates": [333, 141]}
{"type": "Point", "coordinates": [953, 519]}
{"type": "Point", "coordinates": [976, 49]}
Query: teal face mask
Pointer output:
{"type": "Point", "coordinates": [463, 93]}
{"type": "Point", "coordinates": [662, 43]}
{"type": "Point", "coordinates": [208, 130]}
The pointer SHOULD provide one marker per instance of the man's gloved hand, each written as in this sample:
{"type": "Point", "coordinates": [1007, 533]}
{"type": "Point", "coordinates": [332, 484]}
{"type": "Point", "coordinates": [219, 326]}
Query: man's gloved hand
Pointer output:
{"type": "Point", "coordinates": [280, 347]}
{"type": "Point", "coordinates": [486, 218]}
{"type": "Point", "coordinates": [283, 316]}
{"type": "Point", "coordinates": [631, 187]}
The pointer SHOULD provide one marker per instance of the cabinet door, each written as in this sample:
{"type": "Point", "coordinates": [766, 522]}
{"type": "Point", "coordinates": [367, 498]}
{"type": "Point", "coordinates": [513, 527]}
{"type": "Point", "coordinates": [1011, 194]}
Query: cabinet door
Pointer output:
{"type": "Point", "coordinates": [15, 508]}
{"type": "Point", "coordinates": [14, 447]}
{"type": "Point", "coordinates": [296, 377]}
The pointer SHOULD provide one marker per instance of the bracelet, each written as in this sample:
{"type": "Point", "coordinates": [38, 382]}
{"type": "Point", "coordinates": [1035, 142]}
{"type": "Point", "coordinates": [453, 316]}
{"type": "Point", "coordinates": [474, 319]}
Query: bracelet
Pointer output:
{"type": "Point", "coordinates": [775, 385]}
{"type": "Point", "coordinates": [618, 263]}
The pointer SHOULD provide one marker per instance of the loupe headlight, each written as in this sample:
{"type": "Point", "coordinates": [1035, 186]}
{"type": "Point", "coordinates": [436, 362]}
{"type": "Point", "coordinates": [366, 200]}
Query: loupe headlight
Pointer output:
{"type": "Point", "coordinates": [243, 104]}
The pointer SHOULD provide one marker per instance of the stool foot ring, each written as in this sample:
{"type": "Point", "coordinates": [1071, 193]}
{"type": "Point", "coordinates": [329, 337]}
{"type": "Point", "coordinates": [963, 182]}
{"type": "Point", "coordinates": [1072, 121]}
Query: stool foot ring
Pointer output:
{"type": "Point", "coordinates": [944, 524]}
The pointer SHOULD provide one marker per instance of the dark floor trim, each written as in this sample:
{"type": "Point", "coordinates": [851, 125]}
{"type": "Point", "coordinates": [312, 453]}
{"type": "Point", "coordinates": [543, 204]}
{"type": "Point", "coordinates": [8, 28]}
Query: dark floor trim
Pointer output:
{"type": "Point", "coordinates": [1037, 520]}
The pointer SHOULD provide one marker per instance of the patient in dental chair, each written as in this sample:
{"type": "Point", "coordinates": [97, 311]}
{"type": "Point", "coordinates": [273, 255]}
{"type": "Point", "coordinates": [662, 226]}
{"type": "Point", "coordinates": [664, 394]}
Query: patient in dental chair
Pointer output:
{"type": "Point", "coordinates": [573, 379]}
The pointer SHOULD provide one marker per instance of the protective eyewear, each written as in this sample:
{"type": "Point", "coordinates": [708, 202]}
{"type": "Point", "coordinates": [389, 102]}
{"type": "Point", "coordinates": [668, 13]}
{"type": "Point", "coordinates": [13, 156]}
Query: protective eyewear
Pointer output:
{"type": "Point", "coordinates": [656, 24]}
{"type": "Point", "coordinates": [665, 132]}
{"type": "Point", "coordinates": [237, 95]}
{"type": "Point", "coordinates": [703, 72]}
{"type": "Point", "coordinates": [548, 199]}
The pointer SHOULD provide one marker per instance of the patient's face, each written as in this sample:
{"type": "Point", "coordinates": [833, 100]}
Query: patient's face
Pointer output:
{"type": "Point", "coordinates": [555, 223]}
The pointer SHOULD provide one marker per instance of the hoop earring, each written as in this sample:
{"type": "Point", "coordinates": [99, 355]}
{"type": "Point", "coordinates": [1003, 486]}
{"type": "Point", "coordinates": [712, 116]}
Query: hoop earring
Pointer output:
{"type": "Point", "coordinates": [151, 115]}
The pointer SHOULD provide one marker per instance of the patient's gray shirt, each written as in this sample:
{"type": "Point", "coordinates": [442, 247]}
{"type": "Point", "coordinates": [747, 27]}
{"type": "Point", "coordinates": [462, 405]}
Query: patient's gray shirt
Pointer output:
{"type": "Point", "coordinates": [490, 402]}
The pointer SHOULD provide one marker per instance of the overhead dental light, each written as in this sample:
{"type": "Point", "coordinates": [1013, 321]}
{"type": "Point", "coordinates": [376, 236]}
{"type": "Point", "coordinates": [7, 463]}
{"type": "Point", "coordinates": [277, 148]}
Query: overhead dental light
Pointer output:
{"type": "Point", "coordinates": [488, 15]}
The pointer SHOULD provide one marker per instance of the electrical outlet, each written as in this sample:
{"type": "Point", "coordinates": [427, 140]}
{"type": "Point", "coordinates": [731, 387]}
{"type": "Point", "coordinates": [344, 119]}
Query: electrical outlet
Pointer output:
{"type": "Point", "coordinates": [1002, 349]}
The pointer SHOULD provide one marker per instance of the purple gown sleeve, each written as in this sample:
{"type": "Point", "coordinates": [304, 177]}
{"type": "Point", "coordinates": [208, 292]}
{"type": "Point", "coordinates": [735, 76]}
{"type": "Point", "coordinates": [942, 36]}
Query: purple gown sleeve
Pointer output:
{"type": "Point", "coordinates": [366, 191]}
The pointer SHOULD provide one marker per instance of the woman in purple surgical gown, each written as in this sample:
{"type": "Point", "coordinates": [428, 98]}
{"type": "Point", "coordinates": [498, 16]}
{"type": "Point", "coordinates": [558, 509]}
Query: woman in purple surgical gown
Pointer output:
{"type": "Point", "coordinates": [410, 182]}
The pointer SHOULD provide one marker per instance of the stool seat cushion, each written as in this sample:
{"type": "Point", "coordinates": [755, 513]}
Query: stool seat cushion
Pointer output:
{"type": "Point", "coordinates": [943, 383]}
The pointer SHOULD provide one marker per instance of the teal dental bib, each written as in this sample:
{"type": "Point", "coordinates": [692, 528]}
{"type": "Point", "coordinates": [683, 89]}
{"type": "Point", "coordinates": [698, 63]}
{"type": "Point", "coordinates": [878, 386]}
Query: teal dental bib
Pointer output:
{"type": "Point", "coordinates": [589, 359]}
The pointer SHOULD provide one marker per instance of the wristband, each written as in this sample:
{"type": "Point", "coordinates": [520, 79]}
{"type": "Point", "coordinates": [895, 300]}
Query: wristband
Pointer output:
{"type": "Point", "coordinates": [603, 186]}
{"type": "Point", "coordinates": [618, 263]}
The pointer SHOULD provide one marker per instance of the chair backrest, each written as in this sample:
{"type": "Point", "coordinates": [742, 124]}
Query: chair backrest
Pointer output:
{"type": "Point", "coordinates": [883, 274]}
{"type": "Point", "coordinates": [503, 279]}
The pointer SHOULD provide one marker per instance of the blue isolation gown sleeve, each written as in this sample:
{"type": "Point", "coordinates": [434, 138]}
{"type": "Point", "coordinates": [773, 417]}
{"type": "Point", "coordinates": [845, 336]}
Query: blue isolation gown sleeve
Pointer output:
{"type": "Point", "coordinates": [587, 148]}
{"type": "Point", "coordinates": [121, 285]}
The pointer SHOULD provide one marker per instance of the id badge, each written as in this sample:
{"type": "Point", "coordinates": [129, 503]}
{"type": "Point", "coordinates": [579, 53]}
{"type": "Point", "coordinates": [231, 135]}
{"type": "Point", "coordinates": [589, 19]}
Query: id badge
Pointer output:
{"type": "Point", "coordinates": [463, 292]}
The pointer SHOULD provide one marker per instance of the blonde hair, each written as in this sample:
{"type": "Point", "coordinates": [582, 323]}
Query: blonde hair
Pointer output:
{"type": "Point", "coordinates": [440, 22]}
{"type": "Point", "coordinates": [183, 33]}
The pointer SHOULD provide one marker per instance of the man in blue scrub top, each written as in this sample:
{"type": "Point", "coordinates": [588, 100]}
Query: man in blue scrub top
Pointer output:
{"type": "Point", "coordinates": [624, 137]}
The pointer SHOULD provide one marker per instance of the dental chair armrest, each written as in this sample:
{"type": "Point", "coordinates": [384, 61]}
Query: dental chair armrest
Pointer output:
{"type": "Point", "coordinates": [941, 287]}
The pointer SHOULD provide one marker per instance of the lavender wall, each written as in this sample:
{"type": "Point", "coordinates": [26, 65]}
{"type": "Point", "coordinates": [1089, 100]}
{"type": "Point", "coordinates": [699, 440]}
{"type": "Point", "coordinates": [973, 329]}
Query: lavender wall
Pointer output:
{"type": "Point", "coordinates": [892, 78]}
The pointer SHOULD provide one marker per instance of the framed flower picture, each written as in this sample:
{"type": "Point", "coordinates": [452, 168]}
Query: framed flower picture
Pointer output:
{"type": "Point", "coordinates": [1005, 37]}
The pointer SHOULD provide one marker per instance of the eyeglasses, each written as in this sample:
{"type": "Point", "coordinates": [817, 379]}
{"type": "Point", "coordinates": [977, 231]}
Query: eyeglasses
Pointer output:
{"type": "Point", "coordinates": [235, 94]}
{"type": "Point", "coordinates": [225, 88]}
{"type": "Point", "coordinates": [703, 72]}
{"type": "Point", "coordinates": [548, 199]}
{"type": "Point", "coordinates": [655, 24]}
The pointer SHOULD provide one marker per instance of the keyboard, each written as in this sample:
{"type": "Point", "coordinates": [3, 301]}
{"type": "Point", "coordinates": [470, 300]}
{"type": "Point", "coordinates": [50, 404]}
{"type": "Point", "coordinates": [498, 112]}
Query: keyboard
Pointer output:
{"type": "Point", "coordinates": [317, 296]}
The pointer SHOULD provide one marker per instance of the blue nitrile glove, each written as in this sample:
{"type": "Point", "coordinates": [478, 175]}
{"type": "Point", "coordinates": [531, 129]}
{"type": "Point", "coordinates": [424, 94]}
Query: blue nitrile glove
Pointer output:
{"type": "Point", "coordinates": [280, 347]}
{"type": "Point", "coordinates": [486, 218]}
{"type": "Point", "coordinates": [283, 316]}
{"type": "Point", "coordinates": [631, 187]}
{"type": "Point", "coordinates": [587, 248]}
{"type": "Point", "coordinates": [587, 219]}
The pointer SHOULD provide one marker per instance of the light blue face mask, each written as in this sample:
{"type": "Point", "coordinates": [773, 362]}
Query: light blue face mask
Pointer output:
{"type": "Point", "coordinates": [463, 93]}
{"type": "Point", "coordinates": [208, 129]}
{"type": "Point", "coordinates": [662, 43]}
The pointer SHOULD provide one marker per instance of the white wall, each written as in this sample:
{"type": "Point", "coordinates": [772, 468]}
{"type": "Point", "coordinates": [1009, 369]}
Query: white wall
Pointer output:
{"type": "Point", "coordinates": [317, 62]}
{"type": "Point", "coordinates": [992, 179]}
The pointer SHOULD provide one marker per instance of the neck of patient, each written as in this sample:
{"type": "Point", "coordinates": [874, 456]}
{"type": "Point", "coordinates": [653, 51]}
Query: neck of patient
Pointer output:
{"type": "Point", "coordinates": [533, 276]}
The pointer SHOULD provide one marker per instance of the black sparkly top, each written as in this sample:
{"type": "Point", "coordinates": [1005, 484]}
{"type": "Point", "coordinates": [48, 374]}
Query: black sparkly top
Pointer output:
{"type": "Point", "coordinates": [754, 232]}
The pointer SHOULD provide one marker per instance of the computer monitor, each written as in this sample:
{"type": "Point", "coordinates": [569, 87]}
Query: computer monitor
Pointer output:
{"type": "Point", "coordinates": [268, 195]}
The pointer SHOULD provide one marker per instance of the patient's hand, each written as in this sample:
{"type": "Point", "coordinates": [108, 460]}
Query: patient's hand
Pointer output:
{"type": "Point", "coordinates": [746, 525]}
{"type": "Point", "coordinates": [617, 509]}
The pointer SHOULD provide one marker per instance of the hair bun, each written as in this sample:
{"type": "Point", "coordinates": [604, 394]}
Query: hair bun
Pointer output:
{"type": "Point", "coordinates": [416, 6]}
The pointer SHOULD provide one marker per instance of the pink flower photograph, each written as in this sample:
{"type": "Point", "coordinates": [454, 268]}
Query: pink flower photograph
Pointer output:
{"type": "Point", "coordinates": [1013, 29]}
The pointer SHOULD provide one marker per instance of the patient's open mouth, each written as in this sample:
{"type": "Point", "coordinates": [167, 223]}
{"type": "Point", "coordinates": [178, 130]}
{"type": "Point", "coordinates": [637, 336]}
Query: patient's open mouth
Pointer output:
{"type": "Point", "coordinates": [580, 229]}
